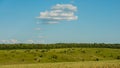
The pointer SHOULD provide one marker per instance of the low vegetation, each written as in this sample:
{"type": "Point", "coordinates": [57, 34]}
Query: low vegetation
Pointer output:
{"type": "Point", "coordinates": [86, 64]}
{"type": "Point", "coordinates": [26, 56]}
{"type": "Point", "coordinates": [60, 55]}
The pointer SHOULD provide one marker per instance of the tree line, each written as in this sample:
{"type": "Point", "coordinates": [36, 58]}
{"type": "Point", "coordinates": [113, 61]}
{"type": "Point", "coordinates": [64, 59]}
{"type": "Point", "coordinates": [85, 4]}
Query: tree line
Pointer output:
{"type": "Point", "coordinates": [58, 45]}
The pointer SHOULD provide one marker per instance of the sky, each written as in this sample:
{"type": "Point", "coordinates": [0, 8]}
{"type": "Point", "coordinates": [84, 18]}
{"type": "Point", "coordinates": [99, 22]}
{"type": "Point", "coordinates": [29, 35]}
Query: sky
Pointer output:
{"type": "Point", "coordinates": [59, 21]}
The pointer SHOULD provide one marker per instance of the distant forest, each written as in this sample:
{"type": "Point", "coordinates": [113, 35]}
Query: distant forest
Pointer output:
{"type": "Point", "coordinates": [58, 45]}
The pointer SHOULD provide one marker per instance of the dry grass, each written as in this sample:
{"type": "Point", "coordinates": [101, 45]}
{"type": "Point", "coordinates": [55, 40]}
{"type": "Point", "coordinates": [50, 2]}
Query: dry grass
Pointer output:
{"type": "Point", "coordinates": [85, 64]}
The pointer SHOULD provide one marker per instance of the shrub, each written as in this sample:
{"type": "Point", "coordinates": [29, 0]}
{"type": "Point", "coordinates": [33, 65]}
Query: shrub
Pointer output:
{"type": "Point", "coordinates": [54, 56]}
{"type": "Point", "coordinates": [118, 57]}
{"type": "Point", "coordinates": [83, 51]}
{"type": "Point", "coordinates": [98, 51]}
{"type": "Point", "coordinates": [83, 59]}
{"type": "Point", "coordinates": [23, 60]}
{"type": "Point", "coordinates": [97, 59]}
{"type": "Point", "coordinates": [35, 59]}
{"type": "Point", "coordinates": [41, 55]}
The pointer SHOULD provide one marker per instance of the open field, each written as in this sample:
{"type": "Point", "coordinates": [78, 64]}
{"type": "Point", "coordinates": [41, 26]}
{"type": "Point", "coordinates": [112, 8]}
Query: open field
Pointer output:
{"type": "Point", "coordinates": [85, 64]}
{"type": "Point", "coordinates": [28, 56]}
{"type": "Point", "coordinates": [60, 56]}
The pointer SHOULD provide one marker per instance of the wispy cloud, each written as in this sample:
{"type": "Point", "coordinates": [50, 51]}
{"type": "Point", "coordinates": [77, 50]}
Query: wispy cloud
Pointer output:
{"type": "Point", "coordinates": [37, 28]}
{"type": "Point", "coordinates": [14, 41]}
{"type": "Point", "coordinates": [40, 41]}
{"type": "Point", "coordinates": [66, 7]}
{"type": "Point", "coordinates": [9, 41]}
{"type": "Point", "coordinates": [52, 22]}
{"type": "Point", "coordinates": [59, 12]}
{"type": "Point", "coordinates": [4, 41]}
{"type": "Point", "coordinates": [35, 41]}
{"type": "Point", "coordinates": [30, 41]}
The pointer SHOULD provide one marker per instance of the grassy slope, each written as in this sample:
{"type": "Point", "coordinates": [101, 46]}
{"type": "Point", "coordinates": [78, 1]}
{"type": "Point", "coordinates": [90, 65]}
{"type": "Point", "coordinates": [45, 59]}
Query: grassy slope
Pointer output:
{"type": "Point", "coordinates": [57, 55]}
{"type": "Point", "coordinates": [86, 64]}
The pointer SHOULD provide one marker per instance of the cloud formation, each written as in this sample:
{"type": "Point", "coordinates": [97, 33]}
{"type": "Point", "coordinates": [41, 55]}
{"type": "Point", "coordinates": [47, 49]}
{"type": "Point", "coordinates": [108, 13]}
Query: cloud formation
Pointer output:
{"type": "Point", "coordinates": [59, 12]}
{"type": "Point", "coordinates": [66, 7]}
{"type": "Point", "coordinates": [4, 41]}
{"type": "Point", "coordinates": [35, 41]}
{"type": "Point", "coordinates": [14, 41]}
{"type": "Point", "coordinates": [9, 41]}
{"type": "Point", "coordinates": [30, 41]}
{"type": "Point", "coordinates": [40, 41]}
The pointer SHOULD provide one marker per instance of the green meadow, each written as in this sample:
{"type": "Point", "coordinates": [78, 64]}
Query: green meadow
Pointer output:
{"type": "Point", "coordinates": [22, 56]}
{"type": "Point", "coordinates": [62, 57]}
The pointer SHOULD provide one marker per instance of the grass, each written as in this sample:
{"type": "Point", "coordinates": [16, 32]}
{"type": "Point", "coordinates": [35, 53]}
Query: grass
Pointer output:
{"type": "Point", "coordinates": [60, 58]}
{"type": "Point", "coordinates": [85, 64]}
{"type": "Point", "coordinates": [28, 56]}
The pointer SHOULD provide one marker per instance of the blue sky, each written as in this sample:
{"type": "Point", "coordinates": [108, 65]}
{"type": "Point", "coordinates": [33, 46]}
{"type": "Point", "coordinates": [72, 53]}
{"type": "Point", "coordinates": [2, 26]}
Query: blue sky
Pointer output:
{"type": "Point", "coordinates": [87, 21]}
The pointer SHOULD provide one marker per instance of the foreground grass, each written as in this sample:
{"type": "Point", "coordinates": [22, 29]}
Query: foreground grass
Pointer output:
{"type": "Point", "coordinates": [85, 64]}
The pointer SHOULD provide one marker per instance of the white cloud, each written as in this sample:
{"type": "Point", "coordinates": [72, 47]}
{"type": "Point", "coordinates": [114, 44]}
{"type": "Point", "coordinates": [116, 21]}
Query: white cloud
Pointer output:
{"type": "Point", "coordinates": [52, 22]}
{"type": "Point", "coordinates": [59, 12]}
{"type": "Point", "coordinates": [30, 41]}
{"type": "Point", "coordinates": [4, 41]}
{"type": "Point", "coordinates": [35, 41]}
{"type": "Point", "coordinates": [41, 36]}
{"type": "Point", "coordinates": [14, 41]}
{"type": "Point", "coordinates": [9, 41]}
{"type": "Point", "coordinates": [68, 7]}
{"type": "Point", "coordinates": [40, 41]}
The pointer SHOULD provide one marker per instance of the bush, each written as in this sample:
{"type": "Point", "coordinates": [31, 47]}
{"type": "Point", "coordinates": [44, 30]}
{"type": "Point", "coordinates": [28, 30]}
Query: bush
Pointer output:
{"type": "Point", "coordinates": [83, 51]}
{"type": "Point", "coordinates": [35, 59]}
{"type": "Point", "coordinates": [23, 60]}
{"type": "Point", "coordinates": [54, 56]}
{"type": "Point", "coordinates": [41, 55]}
{"type": "Point", "coordinates": [118, 57]}
{"type": "Point", "coordinates": [97, 59]}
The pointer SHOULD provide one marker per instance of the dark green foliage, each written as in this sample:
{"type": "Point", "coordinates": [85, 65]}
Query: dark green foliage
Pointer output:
{"type": "Point", "coordinates": [97, 59]}
{"type": "Point", "coordinates": [41, 55]}
{"type": "Point", "coordinates": [43, 51]}
{"type": "Point", "coordinates": [118, 57]}
{"type": "Point", "coordinates": [98, 51]}
{"type": "Point", "coordinates": [83, 51]}
{"type": "Point", "coordinates": [57, 45]}
{"type": "Point", "coordinates": [54, 56]}
{"type": "Point", "coordinates": [83, 59]}
{"type": "Point", "coordinates": [35, 59]}
{"type": "Point", "coordinates": [23, 60]}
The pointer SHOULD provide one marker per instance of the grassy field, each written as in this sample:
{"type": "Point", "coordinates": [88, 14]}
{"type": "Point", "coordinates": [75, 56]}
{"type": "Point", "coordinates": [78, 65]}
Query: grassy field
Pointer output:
{"type": "Point", "coordinates": [28, 56]}
{"type": "Point", "coordinates": [85, 64]}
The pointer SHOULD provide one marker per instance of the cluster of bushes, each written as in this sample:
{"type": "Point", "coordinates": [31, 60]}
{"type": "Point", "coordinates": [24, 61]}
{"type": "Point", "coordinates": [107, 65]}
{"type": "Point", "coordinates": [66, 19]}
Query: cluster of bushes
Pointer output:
{"type": "Point", "coordinates": [58, 45]}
